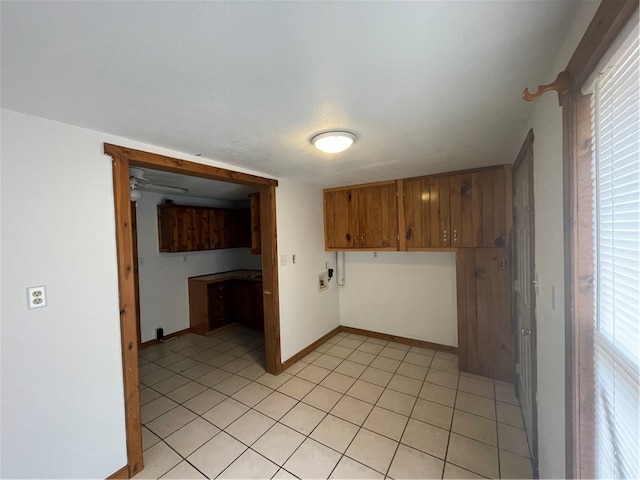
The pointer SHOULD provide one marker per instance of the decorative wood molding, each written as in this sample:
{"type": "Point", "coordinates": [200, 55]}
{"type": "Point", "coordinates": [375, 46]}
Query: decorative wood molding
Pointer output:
{"type": "Point", "coordinates": [560, 85]}
{"type": "Point", "coordinates": [404, 340]}
{"type": "Point", "coordinates": [177, 334]}
{"type": "Point", "coordinates": [307, 350]}
{"type": "Point", "coordinates": [122, 474]}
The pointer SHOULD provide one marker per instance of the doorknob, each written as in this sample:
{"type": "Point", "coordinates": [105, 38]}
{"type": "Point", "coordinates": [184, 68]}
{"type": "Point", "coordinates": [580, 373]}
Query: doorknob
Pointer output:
{"type": "Point", "coordinates": [524, 332]}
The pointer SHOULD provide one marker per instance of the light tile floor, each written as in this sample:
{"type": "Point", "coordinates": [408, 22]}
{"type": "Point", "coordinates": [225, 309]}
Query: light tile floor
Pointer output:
{"type": "Point", "coordinates": [356, 407]}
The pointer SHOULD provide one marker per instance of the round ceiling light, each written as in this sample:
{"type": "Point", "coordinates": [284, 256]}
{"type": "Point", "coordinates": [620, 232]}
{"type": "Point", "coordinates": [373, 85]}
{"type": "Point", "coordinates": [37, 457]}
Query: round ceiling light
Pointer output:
{"type": "Point", "coordinates": [333, 142]}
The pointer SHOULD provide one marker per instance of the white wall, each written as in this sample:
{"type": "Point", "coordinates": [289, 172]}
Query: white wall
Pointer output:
{"type": "Point", "coordinates": [546, 120]}
{"type": "Point", "coordinates": [164, 293]}
{"type": "Point", "coordinates": [410, 294]}
{"type": "Point", "coordinates": [306, 313]}
{"type": "Point", "coordinates": [62, 404]}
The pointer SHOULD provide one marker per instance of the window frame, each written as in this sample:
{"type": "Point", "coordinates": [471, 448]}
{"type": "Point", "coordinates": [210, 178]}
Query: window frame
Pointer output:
{"type": "Point", "coordinates": [608, 22]}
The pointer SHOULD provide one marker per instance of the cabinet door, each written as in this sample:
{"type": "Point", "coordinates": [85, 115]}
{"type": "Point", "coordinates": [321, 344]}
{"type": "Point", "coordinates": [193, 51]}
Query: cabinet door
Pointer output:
{"type": "Point", "coordinates": [378, 216]}
{"type": "Point", "coordinates": [341, 218]}
{"type": "Point", "coordinates": [219, 231]}
{"type": "Point", "coordinates": [239, 226]}
{"type": "Point", "coordinates": [417, 213]}
{"type": "Point", "coordinates": [164, 229]}
{"type": "Point", "coordinates": [201, 228]}
{"type": "Point", "coordinates": [465, 213]}
{"type": "Point", "coordinates": [440, 212]}
{"type": "Point", "coordinates": [256, 242]}
{"type": "Point", "coordinates": [182, 229]}
{"type": "Point", "coordinates": [495, 207]}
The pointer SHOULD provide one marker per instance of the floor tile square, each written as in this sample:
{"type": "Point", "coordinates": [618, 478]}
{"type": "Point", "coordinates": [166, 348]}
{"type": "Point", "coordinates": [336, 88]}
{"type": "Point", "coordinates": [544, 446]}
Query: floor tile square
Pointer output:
{"type": "Point", "coordinates": [252, 372]}
{"type": "Point", "coordinates": [186, 391]}
{"type": "Point", "coordinates": [361, 357]}
{"type": "Point", "coordinates": [445, 365]}
{"type": "Point", "coordinates": [276, 405]}
{"type": "Point", "coordinates": [509, 414]}
{"type": "Point", "coordinates": [204, 401]}
{"type": "Point", "coordinates": [403, 384]}
{"type": "Point", "coordinates": [513, 439]}
{"type": "Point", "coordinates": [183, 471]}
{"type": "Point", "coordinates": [156, 377]}
{"type": "Point", "coordinates": [376, 376]}
{"type": "Point", "coordinates": [365, 391]}
{"type": "Point", "coordinates": [426, 438]}
{"type": "Point", "coordinates": [312, 460]}
{"type": "Point", "coordinates": [231, 385]}
{"type": "Point", "coordinates": [155, 408]}
{"type": "Point", "coordinates": [419, 359]}
{"type": "Point", "coordinates": [436, 393]}
{"type": "Point", "coordinates": [514, 466]}
{"type": "Point", "coordinates": [370, 348]}
{"type": "Point", "coordinates": [147, 394]}
{"type": "Point", "coordinates": [351, 369]}
{"type": "Point", "coordinates": [273, 381]}
{"type": "Point", "coordinates": [350, 343]}
{"type": "Point", "coordinates": [352, 410]}
{"type": "Point", "coordinates": [444, 379]}
{"type": "Point", "coordinates": [297, 367]}
{"type": "Point", "coordinates": [377, 341]}
{"type": "Point", "coordinates": [169, 359]}
{"type": "Point", "coordinates": [183, 365]}
{"type": "Point", "coordinates": [476, 427]}
{"type": "Point", "coordinates": [250, 465]}
{"type": "Point", "coordinates": [506, 394]}
{"type": "Point", "coordinates": [197, 371]}
{"type": "Point", "coordinates": [226, 412]}
{"type": "Point", "coordinates": [213, 378]}
{"type": "Point", "coordinates": [149, 439]}
{"type": "Point", "coordinates": [297, 387]}
{"type": "Point", "coordinates": [322, 398]}
{"type": "Point", "coordinates": [338, 382]}
{"type": "Point", "coordinates": [393, 353]}
{"type": "Point", "coordinates": [192, 436]}
{"type": "Point", "coordinates": [339, 351]}
{"type": "Point", "coordinates": [472, 455]}
{"type": "Point", "coordinates": [303, 418]}
{"type": "Point", "coordinates": [324, 347]}
{"type": "Point", "coordinates": [220, 360]}
{"type": "Point", "coordinates": [278, 443]}
{"type": "Point", "coordinates": [446, 356]}
{"type": "Point", "coordinates": [399, 346]}
{"type": "Point", "coordinates": [252, 394]}
{"type": "Point", "coordinates": [452, 472]}
{"type": "Point", "coordinates": [249, 427]}
{"type": "Point", "coordinates": [148, 369]}
{"type": "Point", "coordinates": [158, 460]}
{"type": "Point", "coordinates": [171, 421]}
{"type": "Point", "coordinates": [433, 413]}
{"type": "Point", "coordinates": [335, 433]}
{"type": "Point", "coordinates": [483, 406]}
{"type": "Point", "coordinates": [216, 455]}
{"type": "Point", "coordinates": [413, 371]}
{"type": "Point", "coordinates": [397, 402]}
{"type": "Point", "coordinates": [386, 364]}
{"type": "Point", "coordinates": [350, 469]}
{"type": "Point", "coordinates": [385, 422]}
{"type": "Point", "coordinates": [314, 373]}
{"type": "Point", "coordinates": [411, 463]}
{"type": "Point", "coordinates": [476, 387]}
{"type": "Point", "coordinates": [372, 450]}
{"type": "Point", "coordinates": [327, 361]}
{"type": "Point", "coordinates": [234, 366]}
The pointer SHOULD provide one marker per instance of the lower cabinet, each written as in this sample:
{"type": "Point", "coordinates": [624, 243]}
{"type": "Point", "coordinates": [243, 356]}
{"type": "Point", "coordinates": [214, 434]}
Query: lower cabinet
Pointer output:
{"type": "Point", "coordinates": [485, 333]}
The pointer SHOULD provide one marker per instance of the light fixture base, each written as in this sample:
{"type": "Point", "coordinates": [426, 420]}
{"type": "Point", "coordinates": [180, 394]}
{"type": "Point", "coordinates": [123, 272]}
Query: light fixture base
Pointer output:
{"type": "Point", "coordinates": [334, 141]}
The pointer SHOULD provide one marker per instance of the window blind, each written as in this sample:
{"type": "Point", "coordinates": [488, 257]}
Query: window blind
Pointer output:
{"type": "Point", "coordinates": [616, 178]}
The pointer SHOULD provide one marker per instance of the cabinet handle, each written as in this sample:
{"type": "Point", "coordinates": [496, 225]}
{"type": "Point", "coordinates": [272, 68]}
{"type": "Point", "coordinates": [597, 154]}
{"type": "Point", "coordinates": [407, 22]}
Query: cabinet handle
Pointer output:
{"type": "Point", "coordinates": [362, 238]}
{"type": "Point", "coordinates": [455, 235]}
{"type": "Point", "coordinates": [444, 236]}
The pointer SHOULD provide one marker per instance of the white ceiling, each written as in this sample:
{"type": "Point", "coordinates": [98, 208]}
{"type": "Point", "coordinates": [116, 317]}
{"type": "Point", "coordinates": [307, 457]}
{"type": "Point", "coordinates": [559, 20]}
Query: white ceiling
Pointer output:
{"type": "Point", "coordinates": [427, 86]}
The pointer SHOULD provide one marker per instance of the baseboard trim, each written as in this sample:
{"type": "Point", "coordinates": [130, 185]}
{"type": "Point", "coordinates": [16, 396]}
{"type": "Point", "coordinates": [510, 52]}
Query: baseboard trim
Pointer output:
{"type": "Point", "coordinates": [306, 351]}
{"type": "Point", "coordinates": [121, 474]}
{"type": "Point", "coordinates": [397, 339]}
{"type": "Point", "coordinates": [171, 335]}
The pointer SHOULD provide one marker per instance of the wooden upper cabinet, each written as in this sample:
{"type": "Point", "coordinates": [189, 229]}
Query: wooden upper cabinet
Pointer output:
{"type": "Point", "coordinates": [219, 228]}
{"type": "Point", "coordinates": [417, 213]}
{"type": "Point", "coordinates": [362, 217]}
{"type": "Point", "coordinates": [256, 241]}
{"type": "Point", "coordinates": [466, 211]}
{"type": "Point", "coordinates": [439, 206]}
{"type": "Point", "coordinates": [496, 206]}
{"type": "Point", "coordinates": [175, 228]}
{"type": "Point", "coordinates": [201, 228]}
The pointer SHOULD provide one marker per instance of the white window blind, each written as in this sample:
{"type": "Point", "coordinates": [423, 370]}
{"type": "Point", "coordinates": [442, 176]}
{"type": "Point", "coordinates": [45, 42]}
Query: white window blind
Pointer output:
{"type": "Point", "coordinates": [616, 176]}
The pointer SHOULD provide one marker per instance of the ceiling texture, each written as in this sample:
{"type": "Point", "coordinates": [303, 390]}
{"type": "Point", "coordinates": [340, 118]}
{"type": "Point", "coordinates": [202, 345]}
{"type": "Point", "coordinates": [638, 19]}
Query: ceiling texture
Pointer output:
{"type": "Point", "coordinates": [427, 87]}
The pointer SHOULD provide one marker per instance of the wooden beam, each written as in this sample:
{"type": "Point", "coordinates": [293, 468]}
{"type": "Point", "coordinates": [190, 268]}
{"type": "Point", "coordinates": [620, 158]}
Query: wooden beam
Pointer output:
{"type": "Point", "coordinates": [138, 158]}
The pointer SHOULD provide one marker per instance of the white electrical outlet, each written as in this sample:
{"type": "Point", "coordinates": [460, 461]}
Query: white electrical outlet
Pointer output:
{"type": "Point", "coordinates": [37, 297]}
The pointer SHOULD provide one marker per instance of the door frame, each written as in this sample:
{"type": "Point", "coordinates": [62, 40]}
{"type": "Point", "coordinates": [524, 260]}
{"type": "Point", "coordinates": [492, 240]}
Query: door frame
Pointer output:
{"type": "Point", "coordinates": [122, 159]}
{"type": "Point", "coordinates": [525, 160]}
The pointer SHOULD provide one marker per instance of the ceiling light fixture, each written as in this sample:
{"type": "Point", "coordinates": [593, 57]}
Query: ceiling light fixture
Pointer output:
{"type": "Point", "coordinates": [333, 142]}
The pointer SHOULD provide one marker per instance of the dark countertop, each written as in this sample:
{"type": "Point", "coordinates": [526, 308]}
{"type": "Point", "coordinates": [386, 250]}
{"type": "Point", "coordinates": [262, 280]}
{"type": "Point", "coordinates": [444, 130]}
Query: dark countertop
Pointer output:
{"type": "Point", "coordinates": [248, 275]}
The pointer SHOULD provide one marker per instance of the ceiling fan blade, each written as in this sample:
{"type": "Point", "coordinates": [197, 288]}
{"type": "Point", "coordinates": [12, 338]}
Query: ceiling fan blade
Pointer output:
{"type": "Point", "coordinates": [163, 188]}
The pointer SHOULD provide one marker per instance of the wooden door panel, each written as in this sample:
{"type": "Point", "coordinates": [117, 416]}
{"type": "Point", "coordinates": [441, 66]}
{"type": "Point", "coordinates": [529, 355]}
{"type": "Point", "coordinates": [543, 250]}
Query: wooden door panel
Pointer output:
{"type": "Point", "coordinates": [201, 228]}
{"type": "Point", "coordinates": [439, 204]}
{"type": "Point", "coordinates": [219, 228]}
{"type": "Point", "coordinates": [378, 216]}
{"type": "Point", "coordinates": [494, 208]}
{"type": "Point", "coordinates": [417, 214]}
{"type": "Point", "coordinates": [341, 220]}
{"type": "Point", "coordinates": [494, 335]}
{"type": "Point", "coordinates": [463, 230]}
{"type": "Point", "coordinates": [182, 226]}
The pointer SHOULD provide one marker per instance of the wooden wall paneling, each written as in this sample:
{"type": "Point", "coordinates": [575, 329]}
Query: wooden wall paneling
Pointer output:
{"type": "Point", "coordinates": [468, 349]}
{"type": "Point", "coordinates": [439, 206]}
{"type": "Point", "coordinates": [201, 240]}
{"type": "Point", "coordinates": [495, 336]}
{"type": "Point", "coordinates": [462, 211]}
{"type": "Point", "coordinates": [476, 209]}
{"type": "Point", "coordinates": [495, 207]}
{"type": "Point", "coordinates": [378, 216]}
{"type": "Point", "coordinates": [417, 213]}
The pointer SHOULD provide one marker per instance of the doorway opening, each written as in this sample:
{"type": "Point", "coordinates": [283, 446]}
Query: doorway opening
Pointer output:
{"type": "Point", "coordinates": [122, 159]}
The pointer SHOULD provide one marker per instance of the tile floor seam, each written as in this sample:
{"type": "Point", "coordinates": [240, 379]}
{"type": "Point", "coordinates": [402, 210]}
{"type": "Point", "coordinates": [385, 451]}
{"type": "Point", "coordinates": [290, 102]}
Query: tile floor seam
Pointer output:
{"type": "Point", "coordinates": [446, 451]}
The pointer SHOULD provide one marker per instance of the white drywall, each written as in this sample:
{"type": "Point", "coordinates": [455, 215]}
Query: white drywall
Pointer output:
{"type": "Point", "coordinates": [306, 313]}
{"type": "Point", "coordinates": [409, 294]}
{"type": "Point", "coordinates": [546, 121]}
{"type": "Point", "coordinates": [62, 403]}
{"type": "Point", "coordinates": [164, 294]}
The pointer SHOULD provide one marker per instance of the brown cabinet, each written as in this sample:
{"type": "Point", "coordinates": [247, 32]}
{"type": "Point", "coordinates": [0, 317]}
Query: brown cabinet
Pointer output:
{"type": "Point", "coordinates": [363, 217]}
{"type": "Point", "coordinates": [440, 212]}
{"type": "Point", "coordinates": [254, 207]}
{"type": "Point", "coordinates": [185, 228]}
{"type": "Point", "coordinates": [417, 213]}
{"type": "Point", "coordinates": [247, 307]}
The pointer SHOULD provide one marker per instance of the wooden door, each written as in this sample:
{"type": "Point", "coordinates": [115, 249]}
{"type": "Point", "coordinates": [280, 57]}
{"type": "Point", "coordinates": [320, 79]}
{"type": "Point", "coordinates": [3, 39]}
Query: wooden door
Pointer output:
{"type": "Point", "coordinates": [201, 238]}
{"type": "Point", "coordinates": [341, 218]}
{"type": "Point", "coordinates": [378, 216]}
{"type": "Point", "coordinates": [496, 209]}
{"type": "Point", "coordinates": [219, 228]}
{"type": "Point", "coordinates": [465, 213]}
{"type": "Point", "coordinates": [182, 229]}
{"type": "Point", "coordinates": [417, 213]}
{"type": "Point", "coordinates": [494, 333]}
{"type": "Point", "coordinates": [439, 212]}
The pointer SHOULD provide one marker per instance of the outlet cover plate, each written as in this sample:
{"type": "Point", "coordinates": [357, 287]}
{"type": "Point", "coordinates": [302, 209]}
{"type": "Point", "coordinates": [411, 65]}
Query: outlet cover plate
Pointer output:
{"type": "Point", "coordinates": [37, 297]}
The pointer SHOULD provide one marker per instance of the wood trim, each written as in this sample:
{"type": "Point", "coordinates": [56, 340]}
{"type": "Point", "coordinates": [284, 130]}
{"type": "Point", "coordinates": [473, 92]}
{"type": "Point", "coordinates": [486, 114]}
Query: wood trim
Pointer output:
{"type": "Point", "coordinates": [170, 335]}
{"type": "Point", "coordinates": [128, 320]}
{"type": "Point", "coordinates": [121, 474]}
{"type": "Point", "coordinates": [138, 158]}
{"type": "Point", "coordinates": [431, 249]}
{"type": "Point", "coordinates": [136, 276]}
{"type": "Point", "coordinates": [360, 185]}
{"type": "Point", "coordinates": [398, 339]}
{"type": "Point", "coordinates": [607, 23]}
{"type": "Point", "coordinates": [307, 350]}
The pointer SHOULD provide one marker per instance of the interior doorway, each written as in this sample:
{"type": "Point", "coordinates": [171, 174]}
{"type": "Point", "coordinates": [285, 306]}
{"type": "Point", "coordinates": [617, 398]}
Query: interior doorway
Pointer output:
{"type": "Point", "coordinates": [524, 291]}
{"type": "Point", "coordinates": [122, 159]}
